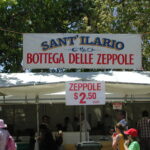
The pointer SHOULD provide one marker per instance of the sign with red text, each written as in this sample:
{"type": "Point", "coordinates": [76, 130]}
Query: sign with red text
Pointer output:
{"type": "Point", "coordinates": [117, 106]}
{"type": "Point", "coordinates": [112, 51]}
{"type": "Point", "coordinates": [85, 93]}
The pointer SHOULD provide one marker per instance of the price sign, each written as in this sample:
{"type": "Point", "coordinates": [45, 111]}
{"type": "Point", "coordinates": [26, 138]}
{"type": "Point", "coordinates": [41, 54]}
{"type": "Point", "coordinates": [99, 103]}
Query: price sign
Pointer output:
{"type": "Point", "coordinates": [85, 93]}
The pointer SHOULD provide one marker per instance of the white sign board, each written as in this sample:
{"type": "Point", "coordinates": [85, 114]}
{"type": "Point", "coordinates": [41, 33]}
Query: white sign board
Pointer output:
{"type": "Point", "coordinates": [117, 106]}
{"type": "Point", "coordinates": [112, 51]}
{"type": "Point", "coordinates": [85, 93]}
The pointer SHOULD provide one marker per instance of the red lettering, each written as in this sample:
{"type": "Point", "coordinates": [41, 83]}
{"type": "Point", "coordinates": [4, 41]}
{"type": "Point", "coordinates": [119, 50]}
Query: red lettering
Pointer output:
{"type": "Point", "coordinates": [131, 59]}
{"type": "Point", "coordinates": [61, 60]}
{"type": "Point", "coordinates": [104, 58]}
{"type": "Point", "coordinates": [71, 87]}
{"type": "Point", "coordinates": [109, 57]}
{"type": "Point", "coordinates": [99, 59]}
{"type": "Point", "coordinates": [121, 59]}
{"type": "Point", "coordinates": [83, 96]}
{"type": "Point", "coordinates": [29, 58]}
{"type": "Point", "coordinates": [85, 86]}
{"type": "Point", "coordinates": [114, 58]}
{"type": "Point", "coordinates": [45, 58]}
{"type": "Point", "coordinates": [79, 58]}
{"type": "Point", "coordinates": [35, 58]}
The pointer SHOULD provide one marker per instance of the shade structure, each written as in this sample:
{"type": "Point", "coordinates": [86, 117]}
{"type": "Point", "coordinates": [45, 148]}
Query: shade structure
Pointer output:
{"type": "Point", "coordinates": [50, 87]}
{"type": "Point", "coordinates": [35, 88]}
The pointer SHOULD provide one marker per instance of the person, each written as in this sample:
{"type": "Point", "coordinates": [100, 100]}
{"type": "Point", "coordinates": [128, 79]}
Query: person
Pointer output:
{"type": "Point", "coordinates": [31, 140]}
{"type": "Point", "coordinates": [59, 136]}
{"type": "Point", "coordinates": [46, 121]}
{"type": "Point", "coordinates": [59, 139]}
{"type": "Point", "coordinates": [46, 140]}
{"type": "Point", "coordinates": [59, 127]}
{"type": "Point", "coordinates": [76, 124]}
{"type": "Point", "coordinates": [108, 123]}
{"type": "Point", "coordinates": [118, 137]}
{"type": "Point", "coordinates": [4, 134]}
{"type": "Point", "coordinates": [67, 124]}
{"type": "Point", "coordinates": [131, 143]}
{"type": "Point", "coordinates": [143, 126]}
{"type": "Point", "coordinates": [122, 119]}
{"type": "Point", "coordinates": [84, 124]}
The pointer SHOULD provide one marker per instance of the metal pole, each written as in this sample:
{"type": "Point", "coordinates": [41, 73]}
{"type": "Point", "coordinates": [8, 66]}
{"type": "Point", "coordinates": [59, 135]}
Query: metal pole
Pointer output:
{"type": "Point", "coordinates": [4, 99]}
{"type": "Point", "coordinates": [37, 115]}
{"type": "Point", "coordinates": [80, 125]}
{"type": "Point", "coordinates": [85, 118]}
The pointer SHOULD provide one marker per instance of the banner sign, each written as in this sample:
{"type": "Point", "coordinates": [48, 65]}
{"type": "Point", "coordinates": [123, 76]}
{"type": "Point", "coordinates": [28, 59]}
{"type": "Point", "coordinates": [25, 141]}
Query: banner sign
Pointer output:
{"type": "Point", "coordinates": [112, 51]}
{"type": "Point", "coordinates": [117, 106]}
{"type": "Point", "coordinates": [85, 93]}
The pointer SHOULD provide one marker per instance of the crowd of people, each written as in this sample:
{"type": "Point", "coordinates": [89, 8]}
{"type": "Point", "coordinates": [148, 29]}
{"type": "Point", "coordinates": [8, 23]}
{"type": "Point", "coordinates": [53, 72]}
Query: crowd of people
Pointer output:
{"type": "Point", "coordinates": [134, 138]}
{"type": "Point", "coordinates": [47, 141]}
{"type": "Point", "coordinates": [123, 138]}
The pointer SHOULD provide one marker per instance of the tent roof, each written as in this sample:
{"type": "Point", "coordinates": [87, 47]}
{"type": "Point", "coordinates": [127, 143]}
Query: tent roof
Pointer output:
{"type": "Point", "coordinates": [50, 87]}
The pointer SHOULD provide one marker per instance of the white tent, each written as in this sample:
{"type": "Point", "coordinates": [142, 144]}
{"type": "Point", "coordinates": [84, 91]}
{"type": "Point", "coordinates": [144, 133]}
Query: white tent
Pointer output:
{"type": "Point", "coordinates": [35, 88]}
{"type": "Point", "coordinates": [50, 87]}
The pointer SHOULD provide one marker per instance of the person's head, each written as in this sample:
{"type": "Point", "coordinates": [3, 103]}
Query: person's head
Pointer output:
{"type": "Point", "coordinates": [2, 124]}
{"type": "Point", "coordinates": [76, 119]}
{"type": "Point", "coordinates": [45, 119]}
{"type": "Point", "coordinates": [121, 115]}
{"type": "Point", "coordinates": [59, 126]}
{"type": "Point", "coordinates": [145, 113]}
{"type": "Point", "coordinates": [119, 128]}
{"type": "Point", "coordinates": [66, 120]}
{"type": "Point", "coordinates": [106, 115]}
{"type": "Point", "coordinates": [131, 133]}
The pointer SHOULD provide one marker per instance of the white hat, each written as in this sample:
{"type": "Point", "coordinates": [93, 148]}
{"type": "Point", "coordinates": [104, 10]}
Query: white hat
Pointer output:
{"type": "Point", "coordinates": [2, 124]}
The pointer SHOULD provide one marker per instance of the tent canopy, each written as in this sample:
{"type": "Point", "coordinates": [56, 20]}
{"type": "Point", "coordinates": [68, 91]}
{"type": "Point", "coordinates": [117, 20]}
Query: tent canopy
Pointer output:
{"type": "Point", "coordinates": [50, 87]}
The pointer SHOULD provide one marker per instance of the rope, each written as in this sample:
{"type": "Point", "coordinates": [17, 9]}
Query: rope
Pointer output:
{"type": "Point", "coordinates": [10, 31]}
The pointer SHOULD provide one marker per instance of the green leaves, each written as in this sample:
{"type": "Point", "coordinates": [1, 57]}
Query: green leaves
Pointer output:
{"type": "Point", "coordinates": [62, 16]}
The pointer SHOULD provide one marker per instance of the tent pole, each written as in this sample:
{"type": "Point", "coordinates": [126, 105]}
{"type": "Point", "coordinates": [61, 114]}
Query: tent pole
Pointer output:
{"type": "Point", "coordinates": [85, 117]}
{"type": "Point", "coordinates": [37, 115]}
{"type": "Point", "coordinates": [4, 99]}
{"type": "Point", "coordinates": [80, 125]}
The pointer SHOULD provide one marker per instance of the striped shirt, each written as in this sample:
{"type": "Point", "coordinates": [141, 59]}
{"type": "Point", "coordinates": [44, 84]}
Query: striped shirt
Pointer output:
{"type": "Point", "coordinates": [143, 126]}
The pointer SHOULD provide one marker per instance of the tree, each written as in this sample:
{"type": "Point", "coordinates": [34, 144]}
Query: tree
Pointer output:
{"type": "Point", "coordinates": [69, 16]}
{"type": "Point", "coordinates": [32, 16]}
{"type": "Point", "coordinates": [121, 16]}
{"type": "Point", "coordinates": [133, 17]}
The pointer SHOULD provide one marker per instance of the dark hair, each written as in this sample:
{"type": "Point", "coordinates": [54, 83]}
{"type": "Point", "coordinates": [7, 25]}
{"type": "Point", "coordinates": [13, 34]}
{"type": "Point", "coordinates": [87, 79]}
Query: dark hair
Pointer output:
{"type": "Point", "coordinates": [123, 113]}
{"type": "Point", "coordinates": [121, 128]}
{"type": "Point", "coordinates": [45, 116]}
{"type": "Point", "coordinates": [133, 139]}
{"type": "Point", "coordinates": [59, 126]}
{"type": "Point", "coordinates": [145, 113]}
{"type": "Point", "coordinates": [67, 119]}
